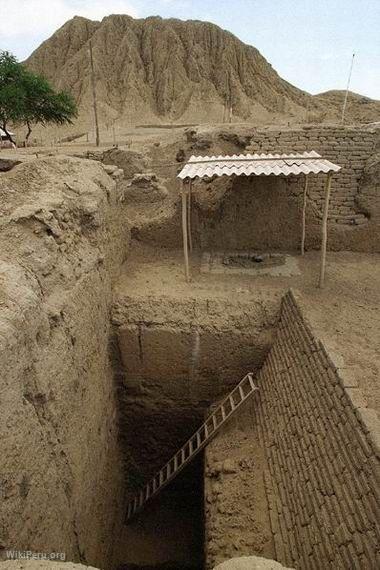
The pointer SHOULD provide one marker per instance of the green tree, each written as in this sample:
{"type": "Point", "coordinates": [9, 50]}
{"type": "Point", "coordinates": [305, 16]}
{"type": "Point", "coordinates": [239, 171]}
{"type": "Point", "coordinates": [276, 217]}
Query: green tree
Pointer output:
{"type": "Point", "coordinates": [27, 98]}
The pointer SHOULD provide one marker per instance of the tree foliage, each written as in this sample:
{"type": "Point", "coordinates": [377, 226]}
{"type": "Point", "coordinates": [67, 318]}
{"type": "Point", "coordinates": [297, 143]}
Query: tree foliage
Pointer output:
{"type": "Point", "coordinates": [27, 98]}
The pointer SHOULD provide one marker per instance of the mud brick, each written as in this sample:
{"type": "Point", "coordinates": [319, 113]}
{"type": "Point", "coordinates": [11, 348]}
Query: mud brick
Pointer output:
{"type": "Point", "coordinates": [279, 547]}
{"type": "Point", "coordinates": [357, 543]}
{"type": "Point", "coordinates": [303, 517]}
{"type": "Point", "coordinates": [354, 559]}
{"type": "Point", "coordinates": [344, 554]}
{"type": "Point", "coordinates": [373, 508]}
{"type": "Point", "coordinates": [328, 487]}
{"type": "Point", "coordinates": [342, 535]}
{"type": "Point", "coordinates": [361, 513]}
{"type": "Point", "coordinates": [293, 548]}
{"type": "Point", "coordinates": [362, 480]}
{"type": "Point", "coordinates": [370, 551]}
{"type": "Point", "coordinates": [313, 562]}
{"type": "Point", "coordinates": [273, 516]}
{"type": "Point", "coordinates": [363, 441]}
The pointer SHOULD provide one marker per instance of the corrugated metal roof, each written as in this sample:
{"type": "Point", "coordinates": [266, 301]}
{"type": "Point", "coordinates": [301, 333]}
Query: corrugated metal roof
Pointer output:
{"type": "Point", "coordinates": [257, 164]}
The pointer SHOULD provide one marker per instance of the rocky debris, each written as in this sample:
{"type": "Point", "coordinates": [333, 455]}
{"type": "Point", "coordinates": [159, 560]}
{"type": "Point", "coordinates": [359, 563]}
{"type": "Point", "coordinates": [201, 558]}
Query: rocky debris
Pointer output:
{"type": "Point", "coordinates": [199, 139]}
{"type": "Point", "coordinates": [8, 163]}
{"type": "Point", "coordinates": [190, 135]}
{"type": "Point", "coordinates": [240, 139]}
{"type": "Point", "coordinates": [250, 563]}
{"type": "Point", "coordinates": [144, 188]}
{"type": "Point", "coordinates": [113, 171]}
{"type": "Point", "coordinates": [89, 154]}
{"type": "Point", "coordinates": [129, 161]}
{"type": "Point", "coordinates": [180, 156]}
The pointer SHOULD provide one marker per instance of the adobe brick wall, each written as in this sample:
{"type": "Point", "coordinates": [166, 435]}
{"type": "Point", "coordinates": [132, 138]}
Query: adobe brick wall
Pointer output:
{"type": "Point", "coordinates": [323, 478]}
{"type": "Point", "coordinates": [321, 461]}
{"type": "Point", "coordinates": [345, 146]}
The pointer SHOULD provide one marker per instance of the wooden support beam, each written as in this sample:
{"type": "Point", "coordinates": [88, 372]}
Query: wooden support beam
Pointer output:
{"type": "Point", "coordinates": [189, 217]}
{"type": "Point", "coordinates": [304, 215]}
{"type": "Point", "coordinates": [324, 229]}
{"type": "Point", "coordinates": [184, 232]}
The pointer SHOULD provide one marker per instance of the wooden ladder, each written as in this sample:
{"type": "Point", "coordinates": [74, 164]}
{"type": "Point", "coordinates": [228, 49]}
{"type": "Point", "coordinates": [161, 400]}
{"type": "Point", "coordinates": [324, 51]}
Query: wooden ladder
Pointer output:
{"type": "Point", "coordinates": [194, 445]}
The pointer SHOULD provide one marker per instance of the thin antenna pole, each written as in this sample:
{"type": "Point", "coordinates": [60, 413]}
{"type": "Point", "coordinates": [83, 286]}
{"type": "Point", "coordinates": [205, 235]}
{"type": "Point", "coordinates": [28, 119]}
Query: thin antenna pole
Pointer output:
{"type": "Point", "coordinates": [93, 86]}
{"type": "Point", "coordinates": [348, 85]}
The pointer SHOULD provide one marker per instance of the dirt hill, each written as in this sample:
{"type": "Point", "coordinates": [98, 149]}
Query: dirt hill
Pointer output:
{"type": "Point", "coordinates": [154, 69]}
{"type": "Point", "coordinates": [359, 108]}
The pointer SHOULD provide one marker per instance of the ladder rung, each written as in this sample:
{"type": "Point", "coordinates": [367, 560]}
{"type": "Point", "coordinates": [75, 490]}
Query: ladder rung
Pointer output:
{"type": "Point", "coordinates": [223, 411]}
{"type": "Point", "coordinates": [206, 431]}
{"type": "Point", "coordinates": [198, 439]}
{"type": "Point", "coordinates": [215, 423]}
{"type": "Point", "coordinates": [232, 403]}
{"type": "Point", "coordinates": [241, 392]}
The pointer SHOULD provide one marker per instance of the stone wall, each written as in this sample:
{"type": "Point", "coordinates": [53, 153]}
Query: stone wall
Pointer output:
{"type": "Point", "coordinates": [61, 479]}
{"type": "Point", "coordinates": [322, 450]}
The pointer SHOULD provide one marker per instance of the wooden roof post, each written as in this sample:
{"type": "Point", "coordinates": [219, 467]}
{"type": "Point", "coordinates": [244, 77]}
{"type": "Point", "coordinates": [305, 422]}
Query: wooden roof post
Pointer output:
{"type": "Point", "coordinates": [324, 229]}
{"type": "Point", "coordinates": [189, 218]}
{"type": "Point", "coordinates": [304, 215]}
{"type": "Point", "coordinates": [184, 231]}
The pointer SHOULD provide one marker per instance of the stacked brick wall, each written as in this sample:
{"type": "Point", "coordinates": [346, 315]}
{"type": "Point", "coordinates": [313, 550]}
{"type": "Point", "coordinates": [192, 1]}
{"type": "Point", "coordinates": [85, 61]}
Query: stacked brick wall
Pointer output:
{"type": "Point", "coordinates": [322, 481]}
{"type": "Point", "coordinates": [348, 147]}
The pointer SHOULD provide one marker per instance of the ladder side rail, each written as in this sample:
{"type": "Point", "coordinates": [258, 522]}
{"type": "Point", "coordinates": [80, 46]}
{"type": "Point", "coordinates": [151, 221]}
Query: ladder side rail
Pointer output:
{"type": "Point", "coordinates": [170, 474]}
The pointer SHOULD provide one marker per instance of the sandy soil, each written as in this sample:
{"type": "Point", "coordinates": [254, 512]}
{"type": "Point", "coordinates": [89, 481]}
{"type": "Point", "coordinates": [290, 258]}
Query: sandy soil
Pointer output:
{"type": "Point", "coordinates": [345, 313]}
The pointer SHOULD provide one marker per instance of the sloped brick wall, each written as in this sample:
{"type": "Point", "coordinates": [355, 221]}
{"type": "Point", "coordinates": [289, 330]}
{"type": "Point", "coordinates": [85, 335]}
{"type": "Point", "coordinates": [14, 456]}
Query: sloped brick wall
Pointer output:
{"type": "Point", "coordinates": [322, 481]}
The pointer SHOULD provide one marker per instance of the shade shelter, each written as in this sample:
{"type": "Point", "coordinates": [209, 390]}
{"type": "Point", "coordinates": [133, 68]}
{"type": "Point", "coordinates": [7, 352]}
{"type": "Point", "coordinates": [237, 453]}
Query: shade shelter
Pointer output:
{"type": "Point", "coordinates": [293, 164]}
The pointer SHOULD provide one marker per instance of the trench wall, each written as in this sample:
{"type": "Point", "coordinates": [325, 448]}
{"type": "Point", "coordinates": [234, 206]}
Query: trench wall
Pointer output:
{"type": "Point", "coordinates": [177, 356]}
{"type": "Point", "coordinates": [322, 453]}
{"type": "Point", "coordinates": [61, 474]}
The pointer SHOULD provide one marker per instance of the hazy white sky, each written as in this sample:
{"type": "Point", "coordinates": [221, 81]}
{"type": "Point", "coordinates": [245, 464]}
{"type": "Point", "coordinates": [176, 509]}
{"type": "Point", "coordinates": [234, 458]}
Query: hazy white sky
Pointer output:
{"type": "Point", "coordinates": [309, 42]}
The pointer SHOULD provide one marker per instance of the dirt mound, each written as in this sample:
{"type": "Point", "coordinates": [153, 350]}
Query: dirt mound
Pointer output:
{"type": "Point", "coordinates": [358, 109]}
{"type": "Point", "coordinates": [129, 161]}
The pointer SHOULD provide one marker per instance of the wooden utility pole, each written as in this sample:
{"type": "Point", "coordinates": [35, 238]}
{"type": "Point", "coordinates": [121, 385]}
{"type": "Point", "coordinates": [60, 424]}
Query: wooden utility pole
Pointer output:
{"type": "Point", "coordinates": [93, 86]}
{"type": "Point", "coordinates": [348, 85]}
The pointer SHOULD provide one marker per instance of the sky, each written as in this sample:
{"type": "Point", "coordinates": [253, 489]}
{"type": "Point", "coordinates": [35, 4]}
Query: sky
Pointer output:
{"type": "Point", "coordinates": [308, 42]}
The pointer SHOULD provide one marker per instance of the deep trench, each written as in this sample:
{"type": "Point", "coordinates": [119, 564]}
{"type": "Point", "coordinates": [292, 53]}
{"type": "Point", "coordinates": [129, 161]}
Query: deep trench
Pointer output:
{"type": "Point", "coordinates": [169, 532]}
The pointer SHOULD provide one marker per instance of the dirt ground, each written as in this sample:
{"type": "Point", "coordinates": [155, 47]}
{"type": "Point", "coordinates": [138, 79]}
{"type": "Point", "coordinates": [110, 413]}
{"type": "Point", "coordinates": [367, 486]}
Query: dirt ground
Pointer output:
{"type": "Point", "coordinates": [344, 314]}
